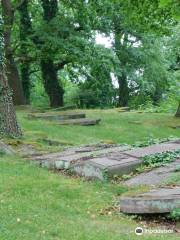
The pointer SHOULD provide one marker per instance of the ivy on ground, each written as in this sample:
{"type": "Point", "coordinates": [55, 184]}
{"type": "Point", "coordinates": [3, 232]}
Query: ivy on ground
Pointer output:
{"type": "Point", "coordinates": [161, 159]}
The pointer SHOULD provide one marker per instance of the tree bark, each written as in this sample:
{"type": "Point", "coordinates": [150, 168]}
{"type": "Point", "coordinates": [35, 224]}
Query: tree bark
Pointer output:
{"type": "Point", "coordinates": [25, 32]}
{"type": "Point", "coordinates": [123, 90]}
{"type": "Point", "coordinates": [48, 67]}
{"type": "Point", "coordinates": [12, 71]}
{"type": "Point", "coordinates": [120, 49]}
{"type": "Point", "coordinates": [8, 122]}
{"type": "Point", "coordinates": [178, 111]}
{"type": "Point", "coordinates": [51, 83]}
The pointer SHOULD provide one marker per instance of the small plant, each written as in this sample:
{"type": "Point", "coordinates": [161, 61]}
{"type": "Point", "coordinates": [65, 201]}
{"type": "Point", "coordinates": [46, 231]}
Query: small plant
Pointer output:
{"type": "Point", "coordinates": [150, 141]}
{"type": "Point", "coordinates": [177, 169]}
{"type": "Point", "coordinates": [105, 174]}
{"type": "Point", "coordinates": [126, 177]}
{"type": "Point", "coordinates": [161, 159]}
{"type": "Point", "coordinates": [2, 152]}
{"type": "Point", "coordinates": [175, 214]}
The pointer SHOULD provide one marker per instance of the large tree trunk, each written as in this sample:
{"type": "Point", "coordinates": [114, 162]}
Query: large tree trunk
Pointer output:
{"type": "Point", "coordinates": [48, 67]}
{"type": "Point", "coordinates": [120, 48]}
{"type": "Point", "coordinates": [25, 32]}
{"type": "Point", "coordinates": [123, 91]}
{"type": "Point", "coordinates": [51, 83]}
{"type": "Point", "coordinates": [12, 71]}
{"type": "Point", "coordinates": [178, 111]}
{"type": "Point", "coordinates": [8, 122]}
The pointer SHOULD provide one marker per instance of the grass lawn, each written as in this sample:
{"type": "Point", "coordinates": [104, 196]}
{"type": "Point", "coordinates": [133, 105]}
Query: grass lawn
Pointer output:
{"type": "Point", "coordinates": [36, 204]}
{"type": "Point", "coordinates": [115, 128]}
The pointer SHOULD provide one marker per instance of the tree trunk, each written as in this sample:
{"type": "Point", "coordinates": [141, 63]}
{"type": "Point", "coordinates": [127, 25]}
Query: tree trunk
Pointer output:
{"type": "Point", "coordinates": [8, 122]}
{"type": "Point", "coordinates": [14, 80]}
{"type": "Point", "coordinates": [178, 111]}
{"type": "Point", "coordinates": [12, 71]}
{"type": "Point", "coordinates": [120, 48]}
{"type": "Point", "coordinates": [123, 91]}
{"type": "Point", "coordinates": [51, 83]}
{"type": "Point", "coordinates": [25, 32]}
{"type": "Point", "coordinates": [48, 68]}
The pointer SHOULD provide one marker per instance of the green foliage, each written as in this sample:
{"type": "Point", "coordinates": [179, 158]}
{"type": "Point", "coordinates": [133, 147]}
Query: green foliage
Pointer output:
{"type": "Point", "coordinates": [175, 214]}
{"type": "Point", "coordinates": [143, 50]}
{"type": "Point", "coordinates": [38, 96]}
{"type": "Point", "coordinates": [2, 153]}
{"type": "Point", "coordinates": [161, 159]}
{"type": "Point", "coordinates": [1, 42]}
{"type": "Point", "coordinates": [151, 141]}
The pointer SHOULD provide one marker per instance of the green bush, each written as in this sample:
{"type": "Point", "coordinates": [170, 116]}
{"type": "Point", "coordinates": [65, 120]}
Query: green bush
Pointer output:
{"type": "Point", "coordinates": [38, 96]}
{"type": "Point", "coordinates": [175, 214]}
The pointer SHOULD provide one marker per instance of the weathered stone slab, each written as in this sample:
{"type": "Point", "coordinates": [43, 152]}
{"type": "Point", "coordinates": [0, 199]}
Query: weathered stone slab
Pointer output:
{"type": "Point", "coordinates": [29, 151]}
{"type": "Point", "coordinates": [154, 177]}
{"type": "Point", "coordinates": [57, 117]}
{"type": "Point", "coordinates": [106, 166]}
{"type": "Point", "coordinates": [100, 161]}
{"type": "Point", "coordinates": [65, 108]}
{"type": "Point", "coordinates": [80, 121]}
{"type": "Point", "coordinates": [65, 159]}
{"type": "Point", "coordinates": [4, 148]}
{"type": "Point", "coordinates": [96, 150]}
{"type": "Point", "coordinates": [156, 201]}
{"type": "Point", "coordinates": [123, 109]}
{"type": "Point", "coordinates": [153, 149]}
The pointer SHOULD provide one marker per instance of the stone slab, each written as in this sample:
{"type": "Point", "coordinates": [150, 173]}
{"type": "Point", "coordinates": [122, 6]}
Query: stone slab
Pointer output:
{"type": "Point", "coordinates": [65, 159]}
{"type": "Point", "coordinates": [57, 117]}
{"type": "Point", "coordinates": [80, 121]}
{"type": "Point", "coordinates": [85, 151]}
{"type": "Point", "coordinates": [153, 149]}
{"type": "Point", "coordinates": [4, 148]}
{"type": "Point", "coordinates": [102, 161]}
{"type": "Point", "coordinates": [154, 177]}
{"type": "Point", "coordinates": [102, 167]}
{"type": "Point", "coordinates": [96, 148]}
{"type": "Point", "coordinates": [162, 200]}
{"type": "Point", "coordinates": [65, 108]}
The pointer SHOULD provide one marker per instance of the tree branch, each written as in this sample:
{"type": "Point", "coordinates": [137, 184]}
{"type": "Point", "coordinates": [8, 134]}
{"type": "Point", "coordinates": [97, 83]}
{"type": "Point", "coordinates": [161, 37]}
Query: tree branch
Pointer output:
{"type": "Point", "coordinates": [61, 65]}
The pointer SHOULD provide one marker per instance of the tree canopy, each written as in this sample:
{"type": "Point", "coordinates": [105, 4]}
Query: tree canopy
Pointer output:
{"type": "Point", "coordinates": [50, 44]}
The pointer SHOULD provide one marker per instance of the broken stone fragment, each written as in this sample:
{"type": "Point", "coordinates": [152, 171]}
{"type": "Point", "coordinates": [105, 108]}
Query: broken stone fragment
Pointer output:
{"type": "Point", "coordinates": [5, 149]}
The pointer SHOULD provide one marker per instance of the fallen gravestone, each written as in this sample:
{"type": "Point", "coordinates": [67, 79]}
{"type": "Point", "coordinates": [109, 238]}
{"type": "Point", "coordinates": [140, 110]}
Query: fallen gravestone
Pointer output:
{"type": "Point", "coordinates": [5, 149]}
{"type": "Point", "coordinates": [156, 176]}
{"type": "Point", "coordinates": [102, 162]}
{"type": "Point", "coordinates": [104, 167]}
{"type": "Point", "coordinates": [80, 121]}
{"type": "Point", "coordinates": [56, 117]}
{"type": "Point", "coordinates": [68, 107]}
{"type": "Point", "coordinates": [175, 127]}
{"type": "Point", "coordinates": [153, 149]}
{"type": "Point", "coordinates": [120, 163]}
{"type": "Point", "coordinates": [71, 157]}
{"type": "Point", "coordinates": [162, 200]}
{"type": "Point", "coordinates": [123, 109]}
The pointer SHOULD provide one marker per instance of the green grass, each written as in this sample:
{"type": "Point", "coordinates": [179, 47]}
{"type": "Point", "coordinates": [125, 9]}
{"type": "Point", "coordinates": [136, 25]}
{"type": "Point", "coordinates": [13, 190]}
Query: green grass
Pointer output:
{"type": "Point", "coordinates": [36, 204]}
{"type": "Point", "coordinates": [115, 127]}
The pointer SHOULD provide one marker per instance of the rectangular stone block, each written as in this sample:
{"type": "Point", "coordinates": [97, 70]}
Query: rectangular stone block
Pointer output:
{"type": "Point", "coordinates": [102, 167]}
{"type": "Point", "coordinates": [156, 201]}
{"type": "Point", "coordinates": [65, 159]}
{"type": "Point", "coordinates": [153, 149]}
